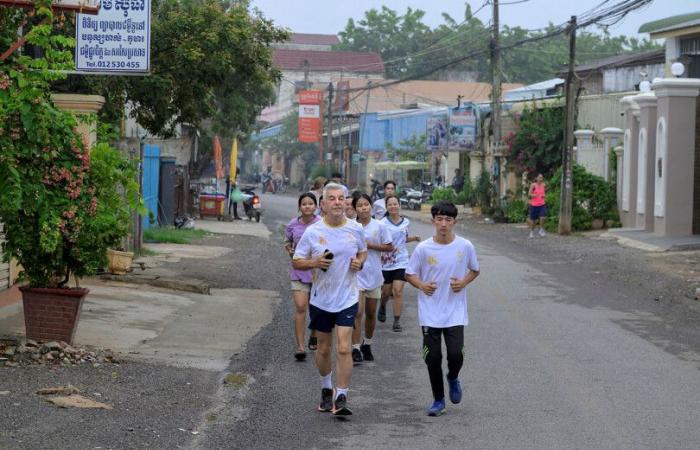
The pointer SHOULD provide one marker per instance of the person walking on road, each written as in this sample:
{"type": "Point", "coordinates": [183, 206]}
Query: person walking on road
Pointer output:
{"type": "Point", "coordinates": [301, 279]}
{"type": "Point", "coordinates": [441, 268]}
{"type": "Point", "coordinates": [538, 209]}
{"type": "Point", "coordinates": [379, 206]}
{"type": "Point", "coordinates": [335, 249]}
{"type": "Point", "coordinates": [369, 279]}
{"type": "Point", "coordinates": [394, 262]}
{"type": "Point", "coordinates": [458, 181]}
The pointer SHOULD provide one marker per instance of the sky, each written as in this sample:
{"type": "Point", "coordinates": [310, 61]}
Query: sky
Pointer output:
{"type": "Point", "coordinates": [331, 16]}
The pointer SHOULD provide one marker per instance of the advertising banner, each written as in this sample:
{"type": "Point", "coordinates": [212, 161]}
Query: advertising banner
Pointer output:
{"type": "Point", "coordinates": [116, 40]}
{"type": "Point", "coordinates": [462, 134]}
{"type": "Point", "coordinates": [84, 6]}
{"type": "Point", "coordinates": [310, 103]}
{"type": "Point", "coordinates": [438, 126]}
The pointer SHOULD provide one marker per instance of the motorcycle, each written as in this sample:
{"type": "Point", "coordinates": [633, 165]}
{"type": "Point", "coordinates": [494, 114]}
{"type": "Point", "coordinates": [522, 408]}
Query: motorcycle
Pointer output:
{"type": "Point", "coordinates": [251, 203]}
{"type": "Point", "coordinates": [411, 198]}
{"type": "Point", "coordinates": [377, 190]}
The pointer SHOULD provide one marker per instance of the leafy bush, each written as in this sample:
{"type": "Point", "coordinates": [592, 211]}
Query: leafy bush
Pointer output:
{"type": "Point", "coordinates": [467, 194]}
{"type": "Point", "coordinates": [484, 191]}
{"type": "Point", "coordinates": [516, 211]}
{"type": "Point", "coordinates": [536, 146]}
{"type": "Point", "coordinates": [443, 195]}
{"type": "Point", "coordinates": [593, 198]}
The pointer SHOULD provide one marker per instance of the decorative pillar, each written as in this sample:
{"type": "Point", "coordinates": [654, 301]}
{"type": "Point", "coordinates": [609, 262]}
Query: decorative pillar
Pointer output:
{"type": "Point", "coordinates": [647, 156]}
{"type": "Point", "coordinates": [675, 155]}
{"type": "Point", "coordinates": [80, 104]}
{"type": "Point", "coordinates": [611, 139]}
{"type": "Point", "coordinates": [629, 162]}
{"type": "Point", "coordinates": [619, 154]}
{"type": "Point", "coordinates": [476, 165]}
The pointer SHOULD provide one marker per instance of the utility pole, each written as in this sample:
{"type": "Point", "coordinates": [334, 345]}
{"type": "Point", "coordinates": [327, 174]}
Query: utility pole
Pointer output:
{"type": "Point", "coordinates": [330, 118]}
{"type": "Point", "coordinates": [496, 92]}
{"type": "Point", "coordinates": [567, 152]}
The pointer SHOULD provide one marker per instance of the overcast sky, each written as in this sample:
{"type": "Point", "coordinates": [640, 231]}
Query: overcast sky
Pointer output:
{"type": "Point", "coordinates": [330, 16]}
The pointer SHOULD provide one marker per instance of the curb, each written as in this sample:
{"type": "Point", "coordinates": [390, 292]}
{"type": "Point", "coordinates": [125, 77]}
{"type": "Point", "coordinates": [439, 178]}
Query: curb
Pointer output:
{"type": "Point", "coordinates": [196, 286]}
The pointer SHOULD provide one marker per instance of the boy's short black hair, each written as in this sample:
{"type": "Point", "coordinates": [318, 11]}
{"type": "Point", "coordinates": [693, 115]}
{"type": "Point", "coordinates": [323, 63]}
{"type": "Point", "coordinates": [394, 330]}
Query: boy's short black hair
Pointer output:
{"type": "Point", "coordinates": [444, 208]}
{"type": "Point", "coordinates": [336, 175]}
{"type": "Point", "coordinates": [388, 182]}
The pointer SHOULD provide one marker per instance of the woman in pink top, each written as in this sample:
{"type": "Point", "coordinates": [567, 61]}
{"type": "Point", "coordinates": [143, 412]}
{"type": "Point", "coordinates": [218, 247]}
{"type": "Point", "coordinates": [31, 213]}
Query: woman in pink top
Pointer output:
{"type": "Point", "coordinates": [538, 210]}
{"type": "Point", "coordinates": [301, 279]}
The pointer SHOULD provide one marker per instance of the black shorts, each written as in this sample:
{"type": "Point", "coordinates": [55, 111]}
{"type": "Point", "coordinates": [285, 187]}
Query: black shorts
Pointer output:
{"type": "Point", "coordinates": [537, 211]}
{"type": "Point", "coordinates": [325, 321]}
{"type": "Point", "coordinates": [394, 275]}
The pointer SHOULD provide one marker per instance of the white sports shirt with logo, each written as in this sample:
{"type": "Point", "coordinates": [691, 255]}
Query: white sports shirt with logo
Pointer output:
{"type": "Point", "coordinates": [397, 259]}
{"type": "Point", "coordinates": [337, 288]}
{"type": "Point", "coordinates": [439, 262]}
{"type": "Point", "coordinates": [370, 277]}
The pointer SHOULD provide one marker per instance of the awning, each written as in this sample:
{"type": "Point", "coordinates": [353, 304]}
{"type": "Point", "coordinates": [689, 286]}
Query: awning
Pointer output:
{"type": "Point", "coordinates": [406, 165]}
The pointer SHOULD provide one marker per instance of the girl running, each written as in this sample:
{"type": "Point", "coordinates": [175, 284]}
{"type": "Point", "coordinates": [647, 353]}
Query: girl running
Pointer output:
{"type": "Point", "coordinates": [370, 278]}
{"type": "Point", "coordinates": [394, 263]}
{"type": "Point", "coordinates": [301, 279]}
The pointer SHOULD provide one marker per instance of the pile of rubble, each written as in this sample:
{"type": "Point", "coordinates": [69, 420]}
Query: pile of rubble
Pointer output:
{"type": "Point", "coordinates": [14, 353]}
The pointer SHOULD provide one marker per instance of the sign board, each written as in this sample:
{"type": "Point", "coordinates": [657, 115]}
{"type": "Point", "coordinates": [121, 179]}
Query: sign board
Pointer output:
{"type": "Point", "coordinates": [83, 6]}
{"type": "Point", "coordinates": [438, 126]}
{"type": "Point", "coordinates": [116, 40]}
{"type": "Point", "coordinates": [462, 135]}
{"type": "Point", "coordinates": [310, 103]}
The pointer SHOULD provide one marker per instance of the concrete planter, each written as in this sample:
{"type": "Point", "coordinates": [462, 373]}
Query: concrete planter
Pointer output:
{"type": "Point", "coordinates": [598, 224]}
{"type": "Point", "coordinates": [425, 208]}
{"type": "Point", "coordinates": [119, 262]}
{"type": "Point", "coordinates": [52, 314]}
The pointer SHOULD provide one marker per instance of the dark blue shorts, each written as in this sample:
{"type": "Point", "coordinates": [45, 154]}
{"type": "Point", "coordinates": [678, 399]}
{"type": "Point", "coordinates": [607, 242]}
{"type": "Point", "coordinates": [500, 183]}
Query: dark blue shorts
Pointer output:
{"type": "Point", "coordinates": [394, 275]}
{"type": "Point", "coordinates": [325, 321]}
{"type": "Point", "coordinates": [537, 211]}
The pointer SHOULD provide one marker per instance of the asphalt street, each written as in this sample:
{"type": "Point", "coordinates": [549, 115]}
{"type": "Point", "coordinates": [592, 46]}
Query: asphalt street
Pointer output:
{"type": "Point", "coordinates": [569, 346]}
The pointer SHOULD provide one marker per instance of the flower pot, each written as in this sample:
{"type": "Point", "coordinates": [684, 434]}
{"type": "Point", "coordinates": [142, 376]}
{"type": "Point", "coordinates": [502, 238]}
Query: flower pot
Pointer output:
{"type": "Point", "coordinates": [52, 314]}
{"type": "Point", "coordinates": [119, 262]}
{"type": "Point", "coordinates": [476, 210]}
{"type": "Point", "coordinates": [597, 224]}
{"type": "Point", "coordinates": [425, 207]}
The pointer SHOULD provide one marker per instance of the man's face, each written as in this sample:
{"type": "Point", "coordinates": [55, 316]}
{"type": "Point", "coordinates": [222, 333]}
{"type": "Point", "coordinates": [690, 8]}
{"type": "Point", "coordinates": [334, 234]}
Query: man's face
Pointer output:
{"type": "Point", "coordinates": [334, 203]}
{"type": "Point", "coordinates": [390, 189]}
{"type": "Point", "coordinates": [444, 225]}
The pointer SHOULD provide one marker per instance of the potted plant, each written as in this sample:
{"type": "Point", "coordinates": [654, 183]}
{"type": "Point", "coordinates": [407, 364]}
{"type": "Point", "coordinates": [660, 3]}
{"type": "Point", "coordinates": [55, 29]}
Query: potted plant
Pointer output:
{"type": "Point", "coordinates": [61, 204]}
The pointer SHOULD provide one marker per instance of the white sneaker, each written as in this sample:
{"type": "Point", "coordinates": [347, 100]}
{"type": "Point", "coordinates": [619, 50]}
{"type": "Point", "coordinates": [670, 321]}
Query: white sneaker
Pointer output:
{"type": "Point", "coordinates": [542, 233]}
{"type": "Point", "coordinates": [532, 234]}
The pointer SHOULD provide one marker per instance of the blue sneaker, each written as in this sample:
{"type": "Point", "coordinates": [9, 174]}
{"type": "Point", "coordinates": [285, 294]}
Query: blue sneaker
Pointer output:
{"type": "Point", "coordinates": [455, 390]}
{"type": "Point", "coordinates": [437, 408]}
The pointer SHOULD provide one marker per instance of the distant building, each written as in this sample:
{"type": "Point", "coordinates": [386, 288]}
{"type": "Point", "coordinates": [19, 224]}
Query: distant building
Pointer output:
{"type": "Point", "coordinates": [620, 73]}
{"type": "Point", "coordinates": [304, 41]}
{"type": "Point", "coordinates": [536, 91]}
{"type": "Point", "coordinates": [682, 34]}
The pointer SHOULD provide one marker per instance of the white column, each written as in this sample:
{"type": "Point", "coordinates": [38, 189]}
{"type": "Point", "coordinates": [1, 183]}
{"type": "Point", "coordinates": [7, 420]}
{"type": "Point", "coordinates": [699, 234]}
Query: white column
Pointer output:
{"type": "Point", "coordinates": [611, 139]}
{"type": "Point", "coordinates": [629, 164]}
{"type": "Point", "coordinates": [645, 168]}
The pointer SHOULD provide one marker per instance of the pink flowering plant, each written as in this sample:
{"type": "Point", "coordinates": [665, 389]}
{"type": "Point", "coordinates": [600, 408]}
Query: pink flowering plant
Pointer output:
{"type": "Point", "coordinates": [61, 203]}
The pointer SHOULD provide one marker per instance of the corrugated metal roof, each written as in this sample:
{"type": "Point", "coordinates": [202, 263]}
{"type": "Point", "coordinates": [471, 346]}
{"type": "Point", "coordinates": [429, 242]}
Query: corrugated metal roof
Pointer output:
{"type": "Point", "coordinates": [313, 39]}
{"type": "Point", "coordinates": [361, 62]}
{"type": "Point", "coordinates": [650, 57]}
{"type": "Point", "coordinates": [671, 23]}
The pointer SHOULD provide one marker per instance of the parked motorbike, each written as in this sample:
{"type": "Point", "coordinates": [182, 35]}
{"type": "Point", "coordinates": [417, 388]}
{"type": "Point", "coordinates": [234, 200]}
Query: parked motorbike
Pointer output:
{"type": "Point", "coordinates": [251, 203]}
{"type": "Point", "coordinates": [377, 190]}
{"type": "Point", "coordinates": [411, 198]}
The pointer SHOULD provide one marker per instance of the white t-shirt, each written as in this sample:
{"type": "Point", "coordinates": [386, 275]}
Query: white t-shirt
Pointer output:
{"type": "Point", "coordinates": [438, 263]}
{"type": "Point", "coordinates": [397, 259]}
{"type": "Point", "coordinates": [379, 209]}
{"type": "Point", "coordinates": [370, 277]}
{"type": "Point", "coordinates": [335, 289]}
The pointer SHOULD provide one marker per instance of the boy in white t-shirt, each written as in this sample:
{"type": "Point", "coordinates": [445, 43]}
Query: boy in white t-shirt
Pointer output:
{"type": "Point", "coordinates": [440, 268]}
{"type": "Point", "coordinates": [336, 246]}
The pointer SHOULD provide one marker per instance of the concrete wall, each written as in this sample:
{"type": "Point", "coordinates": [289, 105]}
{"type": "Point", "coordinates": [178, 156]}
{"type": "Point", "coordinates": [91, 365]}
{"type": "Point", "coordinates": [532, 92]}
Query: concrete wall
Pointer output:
{"type": "Point", "coordinates": [624, 79]}
{"type": "Point", "coordinates": [596, 112]}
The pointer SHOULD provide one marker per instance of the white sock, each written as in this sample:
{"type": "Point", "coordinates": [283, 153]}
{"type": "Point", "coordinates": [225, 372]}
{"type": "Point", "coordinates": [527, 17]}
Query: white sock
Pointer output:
{"type": "Point", "coordinates": [339, 391]}
{"type": "Point", "coordinates": [367, 341]}
{"type": "Point", "coordinates": [327, 381]}
{"type": "Point", "coordinates": [355, 346]}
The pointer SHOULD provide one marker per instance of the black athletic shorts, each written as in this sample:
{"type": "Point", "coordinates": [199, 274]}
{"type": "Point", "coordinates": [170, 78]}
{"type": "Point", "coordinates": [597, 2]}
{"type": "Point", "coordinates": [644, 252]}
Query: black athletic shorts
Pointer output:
{"type": "Point", "coordinates": [325, 321]}
{"type": "Point", "coordinates": [394, 275]}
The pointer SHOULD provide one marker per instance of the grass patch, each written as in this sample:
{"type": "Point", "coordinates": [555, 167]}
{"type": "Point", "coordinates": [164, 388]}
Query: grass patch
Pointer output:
{"type": "Point", "coordinates": [210, 417]}
{"type": "Point", "coordinates": [172, 235]}
{"type": "Point", "coordinates": [148, 252]}
{"type": "Point", "coordinates": [237, 380]}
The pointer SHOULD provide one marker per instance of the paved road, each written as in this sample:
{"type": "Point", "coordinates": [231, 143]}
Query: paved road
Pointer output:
{"type": "Point", "coordinates": [556, 357]}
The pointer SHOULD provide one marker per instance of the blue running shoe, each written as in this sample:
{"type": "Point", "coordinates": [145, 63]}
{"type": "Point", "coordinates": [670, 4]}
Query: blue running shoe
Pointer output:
{"type": "Point", "coordinates": [437, 408]}
{"type": "Point", "coordinates": [455, 390]}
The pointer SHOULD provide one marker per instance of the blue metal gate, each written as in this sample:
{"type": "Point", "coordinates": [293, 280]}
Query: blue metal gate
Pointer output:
{"type": "Point", "coordinates": [151, 179]}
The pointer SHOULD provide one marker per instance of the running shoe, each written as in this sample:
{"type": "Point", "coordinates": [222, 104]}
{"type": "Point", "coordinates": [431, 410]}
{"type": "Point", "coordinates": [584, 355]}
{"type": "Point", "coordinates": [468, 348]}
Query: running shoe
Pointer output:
{"type": "Point", "coordinates": [532, 235]}
{"type": "Point", "coordinates": [455, 390]}
{"type": "Point", "coordinates": [437, 408]}
{"type": "Point", "coordinates": [397, 326]}
{"type": "Point", "coordinates": [340, 407]}
{"type": "Point", "coordinates": [542, 233]}
{"type": "Point", "coordinates": [313, 343]}
{"type": "Point", "coordinates": [300, 355]}
{"type": "Point", "coordinates": [366, 350]}
{"type": "Point", "coordinates": [326, 400]}
{"type": "Point", "coordinates": [381, 314]}
{"type": "Point", "coordinates": [356, 356]}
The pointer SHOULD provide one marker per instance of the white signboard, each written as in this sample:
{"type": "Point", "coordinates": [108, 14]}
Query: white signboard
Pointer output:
{"type": "Point", "coordinates": [310, 111]}
{"type": "Point", "coordinates": [116, 40]}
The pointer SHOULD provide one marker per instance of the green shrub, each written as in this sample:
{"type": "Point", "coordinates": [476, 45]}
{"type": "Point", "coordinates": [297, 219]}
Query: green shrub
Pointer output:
{"type": "Point", "coordinates": [467, 194]}
{"type": "Point", "coordinates": [484, 191]}
{"type": "Point", "coordinates": [516, 211]}
{"type": "Point", "coordinates": [444, 195]}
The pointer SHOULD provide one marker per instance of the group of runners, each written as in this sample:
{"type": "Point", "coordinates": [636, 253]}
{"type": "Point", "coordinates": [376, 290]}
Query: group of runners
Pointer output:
{"type": "Point", "coordinates": [350, 259]}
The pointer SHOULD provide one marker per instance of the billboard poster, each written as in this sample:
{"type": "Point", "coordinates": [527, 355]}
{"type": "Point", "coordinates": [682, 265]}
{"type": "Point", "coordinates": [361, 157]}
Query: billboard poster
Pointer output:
{"type": "Point", "coordinates": [116, 40]}
{"type": "Point", "coordinates": [462, 131]}
{"type": "Point", "coordinates": [310, 116]}
{"type": "Point", "coordinates": [438, 126]}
